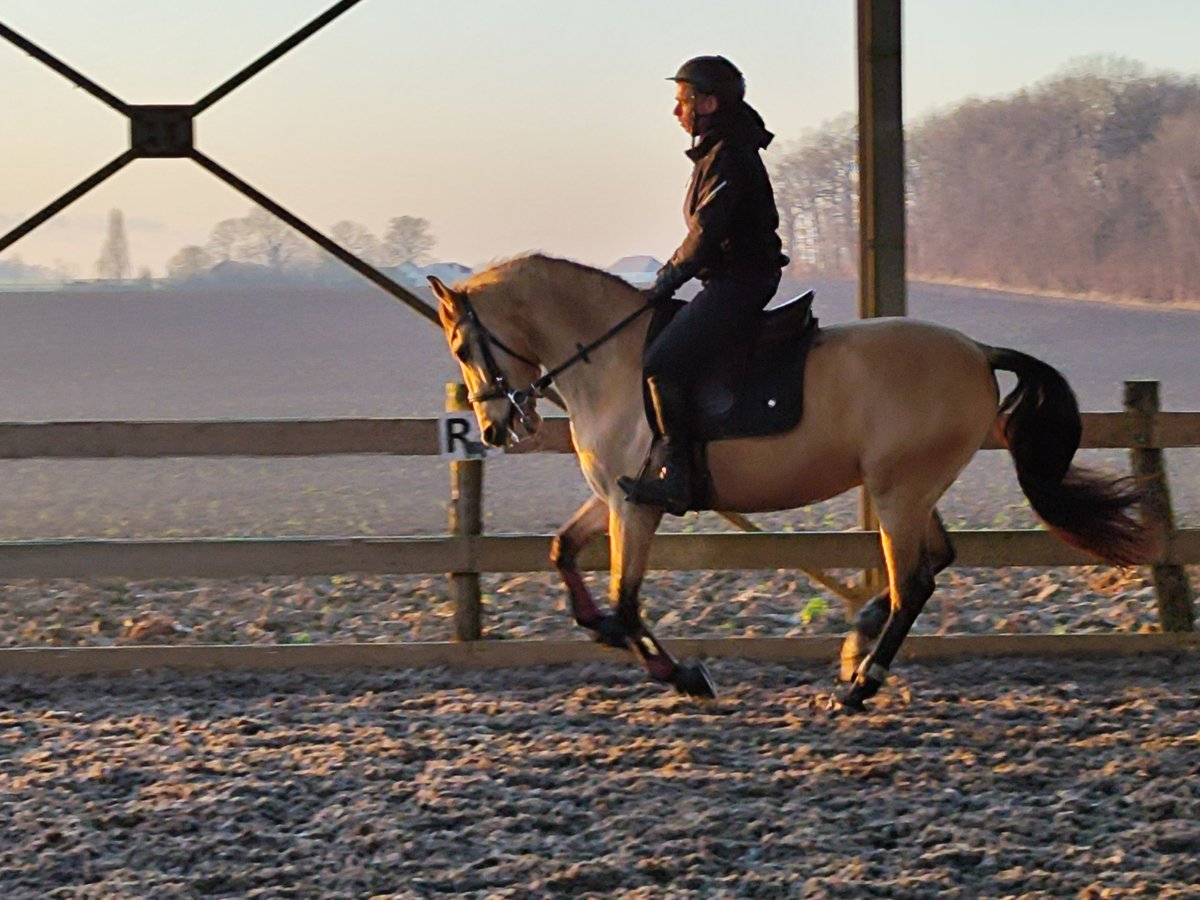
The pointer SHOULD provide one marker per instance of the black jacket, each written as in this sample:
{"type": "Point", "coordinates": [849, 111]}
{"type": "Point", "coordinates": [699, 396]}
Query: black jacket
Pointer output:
{"type": "Point", "coordinates": [729, 207]}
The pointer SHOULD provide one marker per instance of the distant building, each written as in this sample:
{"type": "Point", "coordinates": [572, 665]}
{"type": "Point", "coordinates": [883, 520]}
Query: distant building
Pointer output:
{"type": "Point", "coordinates": [415, 276]}
{"type": "Point", "coordinates": [637, 270]}
{"type": "Point", "coordinates": [448, 272]}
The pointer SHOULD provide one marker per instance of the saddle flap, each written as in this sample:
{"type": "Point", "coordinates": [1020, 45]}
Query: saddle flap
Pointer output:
{"type": "Point", "coordinates": [759, 391]}
{"type": "Point", "coordinates": [757, 388]}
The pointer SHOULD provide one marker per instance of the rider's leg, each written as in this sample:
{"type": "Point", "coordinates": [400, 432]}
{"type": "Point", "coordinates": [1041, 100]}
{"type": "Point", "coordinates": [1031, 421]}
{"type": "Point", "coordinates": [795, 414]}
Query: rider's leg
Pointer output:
{"type": "Point", "coordinates": [722, 314]}
{"type": "Point", "coordinates": [670, 486]}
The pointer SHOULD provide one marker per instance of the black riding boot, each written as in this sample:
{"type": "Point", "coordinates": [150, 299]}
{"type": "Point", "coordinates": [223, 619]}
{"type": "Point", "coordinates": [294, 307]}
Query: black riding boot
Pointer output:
{"type": "Point", "coordinates": [669, 487]}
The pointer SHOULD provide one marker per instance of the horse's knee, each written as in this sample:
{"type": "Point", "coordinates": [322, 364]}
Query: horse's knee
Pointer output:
{"type": "Point", "coordinates": [562, 553]}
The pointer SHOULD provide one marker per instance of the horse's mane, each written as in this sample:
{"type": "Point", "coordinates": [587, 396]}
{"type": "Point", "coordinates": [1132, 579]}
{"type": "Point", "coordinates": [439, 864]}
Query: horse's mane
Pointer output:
{"type": "Point", "coordinates": [538, 263]}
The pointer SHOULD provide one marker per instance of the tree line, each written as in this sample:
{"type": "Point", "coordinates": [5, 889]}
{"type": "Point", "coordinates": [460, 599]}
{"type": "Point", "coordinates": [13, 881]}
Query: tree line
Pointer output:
{"type": "Point", "coordinates": [260, 239]}
{"type": "Point", "coordinates": [1087, 183]}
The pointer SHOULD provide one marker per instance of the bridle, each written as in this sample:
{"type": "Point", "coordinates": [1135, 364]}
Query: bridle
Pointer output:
{"type": "Point", "coordinates": [521, 400]}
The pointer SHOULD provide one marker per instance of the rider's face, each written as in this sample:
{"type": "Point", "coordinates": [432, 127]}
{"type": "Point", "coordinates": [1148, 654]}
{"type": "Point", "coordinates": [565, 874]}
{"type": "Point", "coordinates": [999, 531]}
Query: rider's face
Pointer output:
{"type": "Point", "coordinates": [689, 105]}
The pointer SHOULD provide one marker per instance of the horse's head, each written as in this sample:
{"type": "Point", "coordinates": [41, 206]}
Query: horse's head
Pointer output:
{"type": "Point", "coordinates": [498, 377]}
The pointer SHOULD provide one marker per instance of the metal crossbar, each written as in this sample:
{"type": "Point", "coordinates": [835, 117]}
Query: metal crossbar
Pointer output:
{"type": "Point", "coordinates": [167, 132]}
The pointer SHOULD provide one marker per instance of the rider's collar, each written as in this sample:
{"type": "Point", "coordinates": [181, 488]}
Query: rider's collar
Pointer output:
{"type": "Point", "coordinates": [706, 142]}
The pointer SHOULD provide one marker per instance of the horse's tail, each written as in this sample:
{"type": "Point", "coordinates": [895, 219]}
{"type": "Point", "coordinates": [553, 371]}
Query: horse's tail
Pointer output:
{"type": "Point", "coordinates": [1041, 427]}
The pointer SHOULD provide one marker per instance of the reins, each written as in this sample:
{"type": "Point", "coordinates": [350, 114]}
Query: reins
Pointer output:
{"type": "Point", "coordinates": [582, 350]}
{"type": "Point", "coordinates": [499, 384]}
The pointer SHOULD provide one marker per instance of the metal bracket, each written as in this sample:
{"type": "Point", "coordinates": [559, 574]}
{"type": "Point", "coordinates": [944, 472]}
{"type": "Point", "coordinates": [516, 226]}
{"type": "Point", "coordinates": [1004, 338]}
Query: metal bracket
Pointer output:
{"type": "Point", "coordinates": [161, 131]}
{"type": "Point", "coordinates": [167, 132]}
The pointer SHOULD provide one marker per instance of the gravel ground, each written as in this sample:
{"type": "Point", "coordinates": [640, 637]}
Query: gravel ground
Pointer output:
{"type": "Point", "coordinates": [1004, 779]}
{"type": "Point", "coordinates": [1001, 779]}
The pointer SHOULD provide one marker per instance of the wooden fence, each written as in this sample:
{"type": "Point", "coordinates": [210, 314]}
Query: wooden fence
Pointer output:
{"type": "Point", "coordinates": [1141, 428]}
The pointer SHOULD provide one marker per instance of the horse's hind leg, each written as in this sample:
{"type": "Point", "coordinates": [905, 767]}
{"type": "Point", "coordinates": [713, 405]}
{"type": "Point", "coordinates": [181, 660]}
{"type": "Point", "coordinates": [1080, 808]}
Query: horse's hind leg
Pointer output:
{"type": "Point", "coordinates": [915, 546]}
{"type": "Point", "coordinates": [869, 622]}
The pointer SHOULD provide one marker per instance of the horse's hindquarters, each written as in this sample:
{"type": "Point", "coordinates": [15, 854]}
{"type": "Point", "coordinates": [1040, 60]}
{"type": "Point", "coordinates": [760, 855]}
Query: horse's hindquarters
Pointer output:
{"type": "Point", "coordinates": [889, 402]}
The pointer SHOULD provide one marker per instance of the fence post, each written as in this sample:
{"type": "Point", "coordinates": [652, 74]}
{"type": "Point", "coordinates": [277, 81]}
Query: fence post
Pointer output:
{"type": "Point", "coordinates": [466, 521]}
{"type": "Point", "coordinates": [1176, 601]}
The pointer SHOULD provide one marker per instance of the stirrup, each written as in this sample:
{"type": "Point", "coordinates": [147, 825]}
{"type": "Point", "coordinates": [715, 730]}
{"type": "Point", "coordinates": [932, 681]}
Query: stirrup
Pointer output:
{"type": "Point", "coordinates": [652, 490]}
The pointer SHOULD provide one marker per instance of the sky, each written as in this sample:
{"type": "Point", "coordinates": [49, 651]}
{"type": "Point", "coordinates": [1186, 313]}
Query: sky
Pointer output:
{"type": "Point", "coordinates": [511, 125]}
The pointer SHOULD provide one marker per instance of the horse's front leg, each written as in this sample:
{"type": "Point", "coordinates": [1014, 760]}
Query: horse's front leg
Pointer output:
{"type": "Point", "coordinates": [630, 531]}
{"type": "Point", "coordinates": [589, 521]}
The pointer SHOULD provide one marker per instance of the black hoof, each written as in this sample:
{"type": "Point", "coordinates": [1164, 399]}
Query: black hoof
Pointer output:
{"type": "Point", "coordinates": [855, 697]}
{"type": "Point", "coordinates": [853, 701]}
{"type": "Point", "coordinates": [693, 680]}
{"type": "Point", "coordinates": [610, 632]}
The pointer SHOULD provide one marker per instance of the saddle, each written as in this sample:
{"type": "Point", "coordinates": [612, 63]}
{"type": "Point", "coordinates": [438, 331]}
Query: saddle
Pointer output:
{"type": "Point", "coordinates": [757, 388]}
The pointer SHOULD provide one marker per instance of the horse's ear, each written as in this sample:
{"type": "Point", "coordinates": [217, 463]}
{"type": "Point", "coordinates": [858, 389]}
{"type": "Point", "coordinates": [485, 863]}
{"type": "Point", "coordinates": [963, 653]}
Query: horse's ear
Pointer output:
{"type": "Point", "coordinates": [445, 295]}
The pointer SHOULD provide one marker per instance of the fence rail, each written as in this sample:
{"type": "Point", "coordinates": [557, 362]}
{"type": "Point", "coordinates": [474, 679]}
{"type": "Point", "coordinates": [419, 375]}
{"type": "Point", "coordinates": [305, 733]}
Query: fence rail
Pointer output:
{"type": "Point", "coordinates": [418, 436]}
{"type": "Point", "coordinates": [302, 556]}
{"type": "Point", "coordinates": [518, 654]}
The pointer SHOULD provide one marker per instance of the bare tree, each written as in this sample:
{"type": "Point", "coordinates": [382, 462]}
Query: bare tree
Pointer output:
{"type": "Point", "coordinates": [258, 238]}
{"type": "Point", "coordinates": [113, 263]}
{"type": "Point", "coordinates": [272, 242]}
{"type": "Point", "coordinates": [189, 262]}
{"type": "Point", "coordinates": [358, 240]}
{"type": "Point", "coordinates": [816, 191]}
{"type": "Point", "coordinates": [407, 240]}
{"type": "Point", "coordinates": [226, 239]}
{"type": "Point", "coordinates": [1086, 182]}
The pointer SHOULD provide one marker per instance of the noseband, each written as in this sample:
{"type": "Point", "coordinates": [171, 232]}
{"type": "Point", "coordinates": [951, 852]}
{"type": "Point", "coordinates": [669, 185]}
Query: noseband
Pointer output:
{"type": "Point", "coordinates": [521, 400]}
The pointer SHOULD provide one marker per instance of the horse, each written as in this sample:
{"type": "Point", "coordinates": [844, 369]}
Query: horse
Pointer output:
{"type": "Point", "coordinates": [897, 405]}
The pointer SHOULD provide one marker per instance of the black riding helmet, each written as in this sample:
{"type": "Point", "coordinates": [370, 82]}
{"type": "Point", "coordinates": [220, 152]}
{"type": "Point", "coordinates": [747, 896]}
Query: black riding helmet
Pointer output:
{"type": "Point", "coordinates": [712, 75]}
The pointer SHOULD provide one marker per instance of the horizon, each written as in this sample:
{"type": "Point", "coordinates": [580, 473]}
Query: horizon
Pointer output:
{"type": "Point", "coordinates": [539, 141]}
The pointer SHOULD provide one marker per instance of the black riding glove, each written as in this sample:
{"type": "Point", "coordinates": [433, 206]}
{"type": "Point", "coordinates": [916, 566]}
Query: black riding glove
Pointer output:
{"type": "Point", "coordinates": [668, 280]}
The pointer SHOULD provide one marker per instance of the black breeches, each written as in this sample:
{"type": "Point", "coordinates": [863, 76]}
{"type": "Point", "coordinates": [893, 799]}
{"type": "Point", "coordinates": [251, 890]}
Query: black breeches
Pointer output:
{"type": "Point", "coordinates": [722, 316]}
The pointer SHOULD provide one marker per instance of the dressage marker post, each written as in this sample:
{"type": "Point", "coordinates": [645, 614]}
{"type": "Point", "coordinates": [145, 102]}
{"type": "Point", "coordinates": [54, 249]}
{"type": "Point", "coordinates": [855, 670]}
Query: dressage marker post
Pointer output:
{"type": "Point", "coordinates": [466, 521]}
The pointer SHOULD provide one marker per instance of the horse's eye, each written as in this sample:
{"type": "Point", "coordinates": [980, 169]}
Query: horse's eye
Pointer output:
{"type": "Point", "coordinates": [461, 351]}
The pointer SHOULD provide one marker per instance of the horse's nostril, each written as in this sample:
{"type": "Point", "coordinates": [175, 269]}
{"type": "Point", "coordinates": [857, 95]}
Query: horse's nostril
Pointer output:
{"type": "Point", "coordinates": [492, 436]}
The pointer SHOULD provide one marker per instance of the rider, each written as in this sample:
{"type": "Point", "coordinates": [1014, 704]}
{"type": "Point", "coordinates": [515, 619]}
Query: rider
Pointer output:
{"type": "Point", "coordinates": [731, 246]}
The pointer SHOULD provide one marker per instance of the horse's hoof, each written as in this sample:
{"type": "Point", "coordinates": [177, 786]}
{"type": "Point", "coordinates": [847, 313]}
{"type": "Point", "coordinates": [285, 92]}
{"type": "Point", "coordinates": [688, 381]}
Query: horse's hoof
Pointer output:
{"type": "Point", "coordinates": [694, 681]}
{"type": "Point", "coordinates": [609, 631]}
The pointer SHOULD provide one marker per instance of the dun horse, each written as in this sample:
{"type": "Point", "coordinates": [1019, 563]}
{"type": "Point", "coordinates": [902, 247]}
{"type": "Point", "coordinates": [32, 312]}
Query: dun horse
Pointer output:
{"type": "Point", "coordinates": [897, 405]}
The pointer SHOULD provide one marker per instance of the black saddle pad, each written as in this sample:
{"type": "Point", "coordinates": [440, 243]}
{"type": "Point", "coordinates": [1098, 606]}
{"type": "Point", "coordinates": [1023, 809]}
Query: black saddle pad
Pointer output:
{"type": "Point", "coordinates": [758, 388]}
